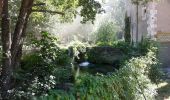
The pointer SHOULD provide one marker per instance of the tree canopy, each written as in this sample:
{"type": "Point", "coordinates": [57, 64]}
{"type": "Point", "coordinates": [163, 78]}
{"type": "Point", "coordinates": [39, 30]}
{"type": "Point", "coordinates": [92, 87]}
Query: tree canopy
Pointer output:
{"type": "Point", "coordinates": [15, 17]}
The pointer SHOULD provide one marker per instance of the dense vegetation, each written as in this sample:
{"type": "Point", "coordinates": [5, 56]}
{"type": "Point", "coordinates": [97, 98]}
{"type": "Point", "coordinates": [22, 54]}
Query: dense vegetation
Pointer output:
{"type": "Point", "coordinates": [50, 73]}
{"type": "Point", "coordinates": [36, 65]}
{"type": "Point", "coordinates": [19, 12]}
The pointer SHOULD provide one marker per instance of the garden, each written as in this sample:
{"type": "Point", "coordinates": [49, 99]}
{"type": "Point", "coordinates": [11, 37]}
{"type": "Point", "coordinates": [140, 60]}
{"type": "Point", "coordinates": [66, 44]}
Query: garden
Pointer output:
{"type": "Point", "coordinates": [48, 53]}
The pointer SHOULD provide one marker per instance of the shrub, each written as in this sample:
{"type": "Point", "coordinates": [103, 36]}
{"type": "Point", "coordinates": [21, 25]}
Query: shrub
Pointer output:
{"type": "Point", "coordinates": [106, 34]}
{"type": "Point", "coordinates": [47, 57]}
{"type": "Point", "coordinates": [146, 45]}
{"type": "Point", "coordinates": [77, 50]}
{"type": "Point", "coordinates": [131, 82]}
{"type": "Point", "coordinates": [124, 46]}
{"type": "Point", "coordinates": [36, 86]}
{"type": "Point", "coordinates": [49, 49]}
{"type": "Point", "coordinates": [38, 68]}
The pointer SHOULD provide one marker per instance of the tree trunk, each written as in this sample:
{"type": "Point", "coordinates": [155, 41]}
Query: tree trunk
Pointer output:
{"type": "Point", "coordinates": [17, 58]}
{"type": "Point", "coordinates": [19, 33]}
{"type": "Point", "coordinates": [1, 3]}
{"type": "Point", "coordinates": [12, 53]}
{"type": "Point", "coordinates": [6, 57]}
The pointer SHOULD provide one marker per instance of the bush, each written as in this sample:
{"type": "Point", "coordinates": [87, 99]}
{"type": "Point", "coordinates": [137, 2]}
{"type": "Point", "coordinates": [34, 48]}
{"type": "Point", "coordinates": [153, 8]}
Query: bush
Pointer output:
{"type": "Point", "coordinates": [47, 57]}
{"type": "Point", "coordinates": [50, 51]}
{"type": "Point", "coordinates": [106, 34]}
{"type": "Point", "coordinates": [40, 74]}
{"type": "Point", "coordinates": [140, 49]}
{"type": "Point", "coordinates": [125, 47]}
{"type": "Point", "coordinates": [77, 50]}
{"type": "Point", "coordinates": [131, 82]}
{"type": "Point", "coordinates": [146, 45]}
{"type": "Point", "coordinates": [36, 86]}
{"type": "Point", "coordinates": [39, 70]}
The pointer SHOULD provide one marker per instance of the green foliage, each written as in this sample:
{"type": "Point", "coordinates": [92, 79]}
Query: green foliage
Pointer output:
{"type": "Point", "coordinates": [78, 51]}
{"type": "Point", "coordinates": [76, 48]}
{"type": "Point", "coordinates": [142, 48]}
{"type": "Point", "coordinates": [39, 21]}
{"type": "Point", "coordinates": [150, 48]}
{"type": "Point", "coordinates": [124, 46]}
{"type": "Point", "coordinates": [88, 11]}
{"type": "Point", "coordinates": [106, 34]}
{"type": "Point", "coordinates": [41, 74]}
{"type": "Point", "coordinates": [50, 50]}
{"type": "Point", "coordinates": [44, 60]}
{"type": "Point", "coordinates": [131, 82]}
{"type": "Point", "coordinates": [39, 71]}
{"type": "Point", "coordinates": [146, 45]}
{"type": "Point", "coordinates": [31, 86]}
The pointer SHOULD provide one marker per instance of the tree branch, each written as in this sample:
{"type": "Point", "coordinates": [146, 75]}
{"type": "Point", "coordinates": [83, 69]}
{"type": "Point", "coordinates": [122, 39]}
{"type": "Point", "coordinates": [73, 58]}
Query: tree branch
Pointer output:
{"type": "Point", "coordinates": [39, 4]}
{"type": "Point", "coordinates": [49, 11]}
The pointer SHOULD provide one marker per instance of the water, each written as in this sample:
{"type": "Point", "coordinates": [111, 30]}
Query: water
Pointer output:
{"type": "Point", "coordinates": [96, 68]}
{"type": "Point", "coordinates": [84, 64]}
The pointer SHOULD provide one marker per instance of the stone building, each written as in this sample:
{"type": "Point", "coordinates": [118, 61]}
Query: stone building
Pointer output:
{"type": "Point", "coordinates": [153, 22]}
{"type": "Point", "coordinates": [146, 20]}
{"type": "Point", "coordinates": [163, 30]}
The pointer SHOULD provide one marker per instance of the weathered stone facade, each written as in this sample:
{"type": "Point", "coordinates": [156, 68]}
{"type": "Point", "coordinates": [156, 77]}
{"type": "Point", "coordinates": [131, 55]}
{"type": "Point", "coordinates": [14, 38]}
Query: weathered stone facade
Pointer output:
{"type": "Point", "coordinates": [146, 20]}
{"type": "Point", "coordinates": [163, 16]}
{"type": "Point", "coordinates": [154, 22]}
{"type": "Point", "coordinates": [163, 30]}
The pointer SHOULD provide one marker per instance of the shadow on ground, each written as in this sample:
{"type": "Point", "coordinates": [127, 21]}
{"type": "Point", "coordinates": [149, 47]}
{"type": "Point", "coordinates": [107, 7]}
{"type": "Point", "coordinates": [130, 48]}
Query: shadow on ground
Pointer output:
{"type": "Point", "coordinates": [163, 90]}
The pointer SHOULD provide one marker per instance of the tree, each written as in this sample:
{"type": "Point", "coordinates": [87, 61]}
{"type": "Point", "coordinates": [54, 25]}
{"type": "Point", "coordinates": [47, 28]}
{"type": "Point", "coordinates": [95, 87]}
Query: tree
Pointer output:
{"type": "Point", "coordinates": [127, 34]}
{"type": "Point", "coordinates": [12, 41]}
{"type": "Point", "coordinates": [106, 33]}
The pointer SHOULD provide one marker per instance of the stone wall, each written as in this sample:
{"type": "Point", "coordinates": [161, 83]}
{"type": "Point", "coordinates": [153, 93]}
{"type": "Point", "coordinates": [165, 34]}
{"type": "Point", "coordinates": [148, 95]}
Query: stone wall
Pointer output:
{"type": "Point", "coordinates": [144, 19]}
{"type": "Point", "coordinates": [163, 16]}
{"type": "Point", "coordinates": [163, 29]}
{"type": "Point", "coordinates": [104, 55]}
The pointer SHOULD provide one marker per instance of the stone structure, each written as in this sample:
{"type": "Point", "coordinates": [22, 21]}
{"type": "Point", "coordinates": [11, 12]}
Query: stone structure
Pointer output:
{"type": "Point", "coordinates": [163, 30]}
{"type": "Point", "coordinates": [105, 55]}
{"type": "Point", "coordinates": [154, 22]}
{"type": "Point", "coordinates": [146, 20]}
{"type": "Point", "coordinates": [163, 16]}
